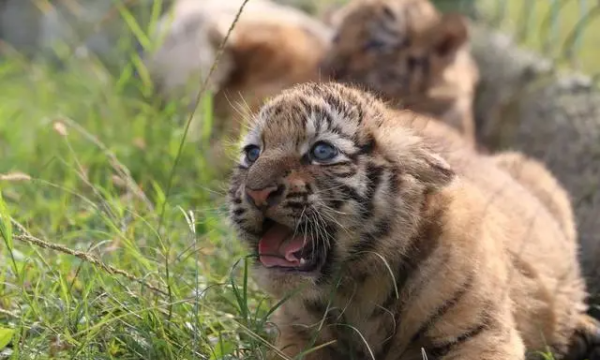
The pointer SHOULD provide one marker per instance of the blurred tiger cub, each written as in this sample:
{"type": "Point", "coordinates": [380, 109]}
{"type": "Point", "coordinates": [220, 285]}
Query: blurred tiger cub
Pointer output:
{"type": "Point", "coordinates": [409, 54]}
{"type": "Point", "coordinates": [271, 47]}
{"type": "Point", "coordinates": [396, 240]}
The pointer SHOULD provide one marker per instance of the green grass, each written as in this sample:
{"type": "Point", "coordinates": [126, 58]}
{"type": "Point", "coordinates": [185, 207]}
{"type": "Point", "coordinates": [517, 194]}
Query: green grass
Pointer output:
{"type": "Point", "coordinates": [96, 261]}
{"type": "Point", "coordinates": [567, 31]}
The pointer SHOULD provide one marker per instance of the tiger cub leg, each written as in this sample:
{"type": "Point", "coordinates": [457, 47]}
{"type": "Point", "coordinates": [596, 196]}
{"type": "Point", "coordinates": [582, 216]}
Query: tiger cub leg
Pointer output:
{"type": "Point", "coordinates": [585, 343]}
{"type": "Point", "coordinates": [492, 343]}
{"type": "Point", "coordinates": [460, 315]}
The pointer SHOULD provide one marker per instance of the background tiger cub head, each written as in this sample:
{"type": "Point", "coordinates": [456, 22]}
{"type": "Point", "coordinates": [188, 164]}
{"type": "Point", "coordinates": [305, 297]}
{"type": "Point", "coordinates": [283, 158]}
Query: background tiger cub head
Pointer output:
{"type": "Point", "coordinates": [408, 53]}
{"type": "Point", "coordinates": [322, 180]}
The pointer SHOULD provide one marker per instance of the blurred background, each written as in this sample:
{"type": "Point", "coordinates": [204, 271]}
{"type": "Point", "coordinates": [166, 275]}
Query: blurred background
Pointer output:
{"type": "Point", "coordinates": [114, 243]}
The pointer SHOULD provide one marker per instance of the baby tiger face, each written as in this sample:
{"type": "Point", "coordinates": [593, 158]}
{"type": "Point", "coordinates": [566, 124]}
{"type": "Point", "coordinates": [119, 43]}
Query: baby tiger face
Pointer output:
{"type": "Point", "coordinates": [399, 49]}
{"type": "Point", "coordinates": [314, 190]}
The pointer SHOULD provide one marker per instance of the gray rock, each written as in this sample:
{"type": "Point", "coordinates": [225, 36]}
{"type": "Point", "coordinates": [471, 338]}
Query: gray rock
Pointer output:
{"type": "Point", "coordinates": [13, 15]}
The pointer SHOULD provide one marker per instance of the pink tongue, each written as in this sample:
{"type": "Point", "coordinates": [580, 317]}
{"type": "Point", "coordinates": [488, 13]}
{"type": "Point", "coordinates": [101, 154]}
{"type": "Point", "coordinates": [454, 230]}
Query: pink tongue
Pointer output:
{"type": "Point", "coordinates": [277, 247]}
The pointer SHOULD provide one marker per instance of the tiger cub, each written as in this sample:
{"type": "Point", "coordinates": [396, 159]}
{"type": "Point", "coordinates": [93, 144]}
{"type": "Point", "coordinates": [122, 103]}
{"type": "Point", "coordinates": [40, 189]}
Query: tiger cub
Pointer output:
{"type": "Point", "coordinates": [409, 54]}
{"type": "Point", "coordinates": [257, 61]}
{"type": "Point", "coordinates": [393, 239]}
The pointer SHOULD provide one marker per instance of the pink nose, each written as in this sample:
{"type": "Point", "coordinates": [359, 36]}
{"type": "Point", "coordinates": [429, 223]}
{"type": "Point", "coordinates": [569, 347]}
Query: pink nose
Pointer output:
{"type": "Point", "coordinates": [264, 197]}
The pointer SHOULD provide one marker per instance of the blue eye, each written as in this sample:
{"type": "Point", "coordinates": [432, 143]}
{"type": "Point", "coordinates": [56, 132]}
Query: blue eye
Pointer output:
{"type": "Point", "coordinates": [252, 153]}
{"type": "Point", "coordinates": [323, 151]}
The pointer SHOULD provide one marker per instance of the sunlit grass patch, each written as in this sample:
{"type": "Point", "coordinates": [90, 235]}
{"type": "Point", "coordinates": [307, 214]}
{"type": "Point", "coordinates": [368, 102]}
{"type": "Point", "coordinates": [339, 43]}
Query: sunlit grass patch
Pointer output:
{"type": "Point", "coordinates": [92, 266]}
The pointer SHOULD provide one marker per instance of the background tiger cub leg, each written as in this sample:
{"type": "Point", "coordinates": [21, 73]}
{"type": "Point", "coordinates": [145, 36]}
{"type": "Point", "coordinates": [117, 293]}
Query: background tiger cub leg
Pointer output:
{"type": "Point", "coordinates": [585, 343]}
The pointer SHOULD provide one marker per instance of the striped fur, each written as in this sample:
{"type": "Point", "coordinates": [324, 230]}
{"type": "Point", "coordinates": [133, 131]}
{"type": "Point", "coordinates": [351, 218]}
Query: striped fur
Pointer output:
{"type": "Point", "coordinates": [425, 244]}
{"type": "Point", "coordinates": [409, 54]}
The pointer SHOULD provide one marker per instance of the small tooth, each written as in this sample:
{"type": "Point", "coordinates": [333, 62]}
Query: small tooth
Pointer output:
{"type": "Point", "coordinates": [302, 261]}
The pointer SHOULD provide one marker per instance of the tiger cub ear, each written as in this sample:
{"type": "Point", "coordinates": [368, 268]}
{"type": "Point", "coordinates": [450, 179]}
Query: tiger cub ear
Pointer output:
{"type": "Point", "coordinates": [434, 171]}
{"type": "Point", "coordinates": [450, 34]}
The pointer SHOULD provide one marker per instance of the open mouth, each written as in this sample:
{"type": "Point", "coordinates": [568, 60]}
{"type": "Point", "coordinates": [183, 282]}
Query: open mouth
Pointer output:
{"type": "Point", "coordinates": [288, 249]}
